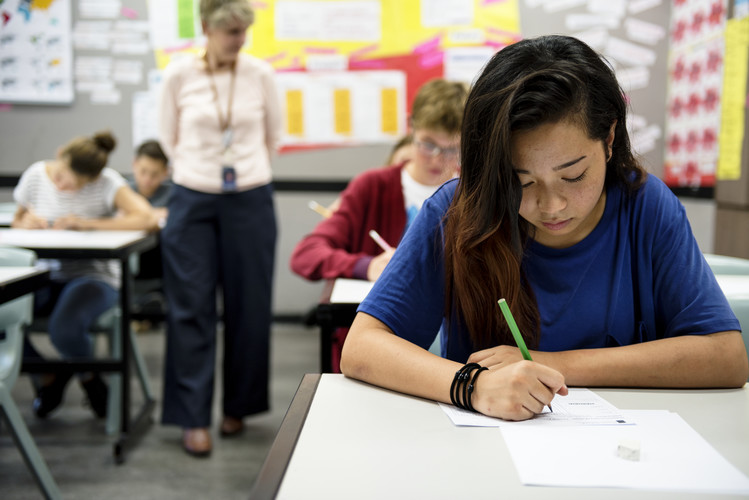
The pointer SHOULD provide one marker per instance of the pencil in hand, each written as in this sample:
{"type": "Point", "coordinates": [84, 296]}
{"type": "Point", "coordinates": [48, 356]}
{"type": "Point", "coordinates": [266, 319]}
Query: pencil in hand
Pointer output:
{"type": "Point", "coordinates": [316, 207]}
{"type": "Point", "coordinates": [516, 333]}
{"type": "Point", "coordinates": [380, 240]}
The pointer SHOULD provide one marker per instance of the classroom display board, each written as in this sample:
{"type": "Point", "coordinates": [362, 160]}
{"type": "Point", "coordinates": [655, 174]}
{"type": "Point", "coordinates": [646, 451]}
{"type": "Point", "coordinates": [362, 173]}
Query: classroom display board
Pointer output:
{"type": "Point", "coordinates": [696, 64]}
{"type": "Point", "coordinates": [36, 53]}
{"type": "Point", "coordinates": [347, 71]}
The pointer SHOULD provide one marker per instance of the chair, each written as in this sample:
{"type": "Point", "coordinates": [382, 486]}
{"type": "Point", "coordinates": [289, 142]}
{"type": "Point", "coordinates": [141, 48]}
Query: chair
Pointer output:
{"type": "Point", "coordinates": [109, 324]}
{"type": "Point", "coordinates": [14, 315]}
{"type": "Point", "coordinates": [723, 264]}
{"type": "Point", "coordinates": [724, 267]}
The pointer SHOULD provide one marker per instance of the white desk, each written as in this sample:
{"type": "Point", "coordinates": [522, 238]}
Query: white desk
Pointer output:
{"type": "Point", "coordinates": [118, 245]}
{"type": "Point", "coordinates": [345, 439]}
{"type": "Point", "coordinates": [18, 281]}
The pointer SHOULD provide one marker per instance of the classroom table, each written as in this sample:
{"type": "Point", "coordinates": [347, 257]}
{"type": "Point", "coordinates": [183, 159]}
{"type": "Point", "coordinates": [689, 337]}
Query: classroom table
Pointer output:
{"type": "Point", "coordinates": [342, 438]}
{"type": "Point", "coordinates": [337, 309]}
{"type": "Point", "coordinates": [16, 281]}
{"type": "Point", "coordinates": [117, 245]}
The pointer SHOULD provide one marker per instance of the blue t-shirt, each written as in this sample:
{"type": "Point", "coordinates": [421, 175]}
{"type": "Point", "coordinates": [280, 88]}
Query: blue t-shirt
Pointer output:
{"type": "Point", "coordinates": [638, 276]}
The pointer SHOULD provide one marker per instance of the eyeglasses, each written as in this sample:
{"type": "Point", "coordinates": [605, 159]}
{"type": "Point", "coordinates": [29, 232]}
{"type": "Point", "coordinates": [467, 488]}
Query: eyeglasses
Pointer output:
{"type": "Point", "coordinates": [434, 151]}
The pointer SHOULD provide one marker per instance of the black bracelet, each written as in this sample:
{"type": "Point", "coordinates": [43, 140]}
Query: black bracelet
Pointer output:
{"type": "Point", "coordinates": [472, 386]}
{"type": "Point", "coordinates": [460, 383]}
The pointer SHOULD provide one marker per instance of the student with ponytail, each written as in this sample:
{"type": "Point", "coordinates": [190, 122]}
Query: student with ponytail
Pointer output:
{"type": "Point", "coordinates": [552, 212]}
{"type": "Point", "coordinates": [76, 191]}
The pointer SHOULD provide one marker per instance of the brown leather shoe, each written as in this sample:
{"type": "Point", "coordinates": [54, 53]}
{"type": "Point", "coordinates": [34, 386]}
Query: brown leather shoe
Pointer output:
{"type": "Point", "coordinates": [197, 442]}
{"type": "Point", "coordinates": [231, 426]}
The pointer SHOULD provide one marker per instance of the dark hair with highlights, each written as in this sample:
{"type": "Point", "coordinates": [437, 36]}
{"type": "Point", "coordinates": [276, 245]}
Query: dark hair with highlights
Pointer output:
{"type": "Point", "coordinates": [530, 83]}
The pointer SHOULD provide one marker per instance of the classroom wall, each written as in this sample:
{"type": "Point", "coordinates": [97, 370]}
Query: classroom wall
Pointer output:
{"type": "Point", "coordinates": [33, 132]}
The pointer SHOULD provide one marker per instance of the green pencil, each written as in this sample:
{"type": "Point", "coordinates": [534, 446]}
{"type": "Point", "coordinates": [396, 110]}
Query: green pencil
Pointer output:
{"type": "Point", "coordinates": [515, 331]}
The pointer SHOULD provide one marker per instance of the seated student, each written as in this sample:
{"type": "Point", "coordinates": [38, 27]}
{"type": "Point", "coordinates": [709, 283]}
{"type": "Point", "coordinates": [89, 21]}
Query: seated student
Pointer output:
{"type": "Point", "coordinates": [76, 191]}
{"type": "Point", "coordinates": [403, 151]}
{"type": "Point", "coordinates": [151, 176]}
{"type": "Point", "coordinates": [553, 213]}
{"type": "Point", "coordinates": [388, 199]}
{"type": "Point", "coordinates": [151, 180]}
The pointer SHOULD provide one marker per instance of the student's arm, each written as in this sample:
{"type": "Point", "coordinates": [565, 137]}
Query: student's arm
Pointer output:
{"type": "Point", "coordinates": [134, 212]}
{"type": "Point", "coordinates": [373, 354]}
{"type": "Point", "coordinates": [334, 248]}
{"type": "Point", "coordinates": [697, 361]}
{"type": "Point", "coordinates": [27, 219]}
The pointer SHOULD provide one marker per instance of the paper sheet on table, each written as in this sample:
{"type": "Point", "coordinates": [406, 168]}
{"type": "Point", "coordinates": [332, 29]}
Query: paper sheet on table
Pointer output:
{"type": "Point", "coordinates": [579, 407]}
{"type": "Point", "coordinates": [349, 291]}
{"type": "Point", "coordinates": [673, 456]}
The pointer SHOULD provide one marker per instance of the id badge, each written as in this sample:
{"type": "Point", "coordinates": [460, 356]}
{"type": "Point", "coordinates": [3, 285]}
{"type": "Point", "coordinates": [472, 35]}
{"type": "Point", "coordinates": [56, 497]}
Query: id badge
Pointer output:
{"type": "Point", "coordinates": [228, 179]}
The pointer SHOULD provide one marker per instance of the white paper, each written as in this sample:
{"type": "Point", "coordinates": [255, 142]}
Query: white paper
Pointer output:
{"type": "Point", "coordinates": [579, 407]}
{"type": "Point", "coordinates": [673, 457]}
{"type": "Point", "coordinates": [103, 9]}
{"type": "Point", "coordinates": [441, 13]}
{"type": "Point", "coordinates": [127, 71]}
{"type": "Point", "coordinates": [644, 32]}
{"type": "Point", "coordinates": [464, 64]}
{"type": "Point", "coordinates": [576, 22]}
{"type": "Point", "coordinates": [356, 20]}
{"type": "Point", "coordinates": [625, 52]}
{"type": "Point", "coordinates": [348, 291]}
{"type": "Point", "coordinates": [637, 6]}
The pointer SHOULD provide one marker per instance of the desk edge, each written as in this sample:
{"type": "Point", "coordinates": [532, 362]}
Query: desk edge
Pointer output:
{"type": "Point", "coordinates": [269, 480]}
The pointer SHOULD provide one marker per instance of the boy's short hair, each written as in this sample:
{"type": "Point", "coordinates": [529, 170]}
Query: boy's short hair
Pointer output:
{"type": "Point", "coordinates": [439, 106]}
{"type": "Point", "coordinates": [153, 150]}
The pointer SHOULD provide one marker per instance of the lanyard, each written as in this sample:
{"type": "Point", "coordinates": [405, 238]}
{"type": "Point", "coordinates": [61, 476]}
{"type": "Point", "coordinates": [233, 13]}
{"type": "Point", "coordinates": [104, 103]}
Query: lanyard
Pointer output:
{"type": "Point", "coordinates": [224, 124]}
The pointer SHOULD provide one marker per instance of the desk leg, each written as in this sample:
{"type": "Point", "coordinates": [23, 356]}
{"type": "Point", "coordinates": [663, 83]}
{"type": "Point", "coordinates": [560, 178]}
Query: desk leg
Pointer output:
{"type": "Point", "coordinates": [130, 431]}
{"type": "Point", "coordinates": [326, 348]}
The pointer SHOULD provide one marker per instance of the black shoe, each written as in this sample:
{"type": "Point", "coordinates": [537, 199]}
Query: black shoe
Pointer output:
{"type": "Point", "coordinates": [49, 397]}
{"type": "Point", "coordinates": [97, 392]}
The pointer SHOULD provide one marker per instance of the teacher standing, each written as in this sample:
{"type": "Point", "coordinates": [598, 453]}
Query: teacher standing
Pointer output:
{"type": "Point", "coordinates": [219, 122]}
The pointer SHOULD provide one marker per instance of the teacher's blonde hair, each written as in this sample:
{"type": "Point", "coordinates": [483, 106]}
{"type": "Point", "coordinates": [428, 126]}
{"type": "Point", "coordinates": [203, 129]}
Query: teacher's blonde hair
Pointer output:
{"type": "Point", "coordinates": [219, 13]}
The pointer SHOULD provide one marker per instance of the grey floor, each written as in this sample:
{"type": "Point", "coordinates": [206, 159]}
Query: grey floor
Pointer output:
{"type": "Point", "coordinates": [79, 453]}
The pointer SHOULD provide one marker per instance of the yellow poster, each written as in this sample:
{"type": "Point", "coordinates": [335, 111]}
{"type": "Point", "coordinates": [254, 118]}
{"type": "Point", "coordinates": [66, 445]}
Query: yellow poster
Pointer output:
{"type": "Point", "coordinates": [734, 100]}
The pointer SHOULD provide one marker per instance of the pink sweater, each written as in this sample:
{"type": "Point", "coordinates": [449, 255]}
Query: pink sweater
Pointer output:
{"type": "Point", "coordinates": [189, 123]}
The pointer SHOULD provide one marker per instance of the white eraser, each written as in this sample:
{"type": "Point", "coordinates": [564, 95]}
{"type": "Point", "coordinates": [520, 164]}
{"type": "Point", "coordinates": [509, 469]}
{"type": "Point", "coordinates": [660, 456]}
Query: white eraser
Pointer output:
{"type": "Point", "coordinates": [629, 449]}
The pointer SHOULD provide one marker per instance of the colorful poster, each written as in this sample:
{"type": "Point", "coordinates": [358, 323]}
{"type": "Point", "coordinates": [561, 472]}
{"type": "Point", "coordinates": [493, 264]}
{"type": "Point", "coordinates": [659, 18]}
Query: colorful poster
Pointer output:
{"type": "Point", "coordinates": [36, 52]}
{"type": "Point", "coordinates": [696, 63]}
{"type": "Point", "coordinates": [311, 43]}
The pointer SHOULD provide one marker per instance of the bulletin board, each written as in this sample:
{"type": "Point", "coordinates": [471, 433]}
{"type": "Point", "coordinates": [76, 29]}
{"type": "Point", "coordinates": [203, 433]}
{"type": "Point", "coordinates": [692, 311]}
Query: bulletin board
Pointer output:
{"type": "Point", "coordinates": [36, 53]}
{"type": "Point", "coordinates": [347, 71]}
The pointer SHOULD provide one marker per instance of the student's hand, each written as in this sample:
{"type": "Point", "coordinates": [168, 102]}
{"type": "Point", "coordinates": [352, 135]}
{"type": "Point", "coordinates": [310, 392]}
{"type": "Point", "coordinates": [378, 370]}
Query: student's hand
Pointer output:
{"type": "Point", "coordinates": [377, 264]}
{"type": "Point", "coordinates": [29, 220]}
{"type": "Point", "coordinates": [497, 356]}
{"type": "Point", "coordinates": [517, 391]}
{"type": "Point", "coordinates": [69, 222]}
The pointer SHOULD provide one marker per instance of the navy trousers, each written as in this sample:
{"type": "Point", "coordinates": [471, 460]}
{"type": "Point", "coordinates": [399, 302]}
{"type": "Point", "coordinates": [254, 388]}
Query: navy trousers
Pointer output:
{"type": "Point", "coordinates": [213, 240]}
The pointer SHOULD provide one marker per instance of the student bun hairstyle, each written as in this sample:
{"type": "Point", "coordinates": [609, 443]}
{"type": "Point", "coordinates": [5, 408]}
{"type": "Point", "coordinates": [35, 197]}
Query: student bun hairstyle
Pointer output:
{"type": "Point", "coordinates": [527, 84]}
{"type": "Point", "coordinates": [89, 155]}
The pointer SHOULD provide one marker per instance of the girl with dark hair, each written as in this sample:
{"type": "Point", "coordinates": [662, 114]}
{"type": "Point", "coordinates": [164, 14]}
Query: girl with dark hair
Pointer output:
{"type": "Point", "coordinates": [553, 213]}
{"type": "Point", "coordinates": [77, 191]}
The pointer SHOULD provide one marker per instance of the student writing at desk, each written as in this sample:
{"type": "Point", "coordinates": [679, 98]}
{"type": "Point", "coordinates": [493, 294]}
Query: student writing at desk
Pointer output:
{"type": "Point", "coordinates": [386, 200]}
{"type": "Point", "coordinates": [76, 191]}
{"type": "Point", "coordinates": [552, 211]}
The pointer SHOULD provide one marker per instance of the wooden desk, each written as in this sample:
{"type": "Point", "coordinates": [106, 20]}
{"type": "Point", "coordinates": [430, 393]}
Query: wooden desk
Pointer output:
{"type": "Point", "coordinates": [337, 309]}
{"type": "Point", "coordinates": [345, 439]}
{"type": "Point", "coordinates": [118, 245]}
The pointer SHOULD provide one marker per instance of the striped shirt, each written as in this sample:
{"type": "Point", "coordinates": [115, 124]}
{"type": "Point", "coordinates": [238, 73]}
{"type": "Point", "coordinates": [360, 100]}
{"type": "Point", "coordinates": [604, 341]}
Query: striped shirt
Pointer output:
{"type": "Point", "coordinates": [95, 200]}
